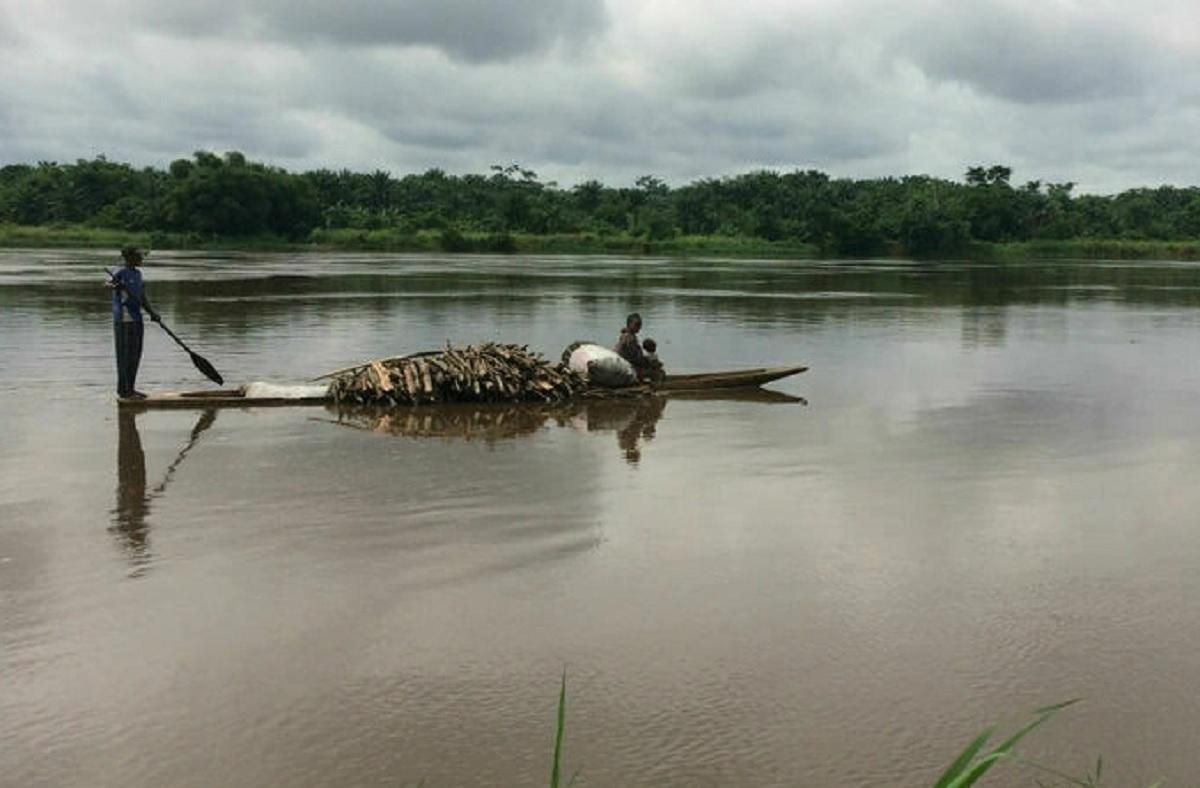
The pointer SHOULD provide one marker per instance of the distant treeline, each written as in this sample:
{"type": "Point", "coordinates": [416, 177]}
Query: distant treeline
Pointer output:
{"type": "Point", "coordinates": [210, 197]}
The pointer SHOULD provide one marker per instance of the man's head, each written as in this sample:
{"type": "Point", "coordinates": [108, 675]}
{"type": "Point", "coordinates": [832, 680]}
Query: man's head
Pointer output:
{"type": "Point", "coordinates": [633, 323]}
{"type": "Point", "coordinates": [132, 255]}
{"type": "Point", "coordinates": [650, 346]}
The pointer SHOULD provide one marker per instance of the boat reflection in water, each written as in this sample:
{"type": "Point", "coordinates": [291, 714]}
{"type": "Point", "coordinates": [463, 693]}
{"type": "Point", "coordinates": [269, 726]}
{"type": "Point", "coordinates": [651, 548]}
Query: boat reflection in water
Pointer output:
{"type": "Point", "coordinates": [634, 420]}
{"type": "Point", "coordinates": [129, 524]}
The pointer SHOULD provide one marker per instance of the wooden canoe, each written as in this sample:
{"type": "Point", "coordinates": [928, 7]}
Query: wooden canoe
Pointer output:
{"type": "Point", "coordinates": [734, 379]}
{"type": "Point", "coordinates": [214, 398]}
{"type": "Point", "coordinates": [681, 385]}
{"type": "Point", "coordinates": [702, 382]}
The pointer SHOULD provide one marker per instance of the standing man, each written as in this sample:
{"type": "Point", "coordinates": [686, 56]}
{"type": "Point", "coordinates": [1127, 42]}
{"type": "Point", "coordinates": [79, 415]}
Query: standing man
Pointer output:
{"type": "Point", "coordinates": [128, 303]}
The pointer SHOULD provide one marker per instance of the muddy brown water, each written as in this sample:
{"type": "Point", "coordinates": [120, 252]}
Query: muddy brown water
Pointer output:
{"type": "Point", "coordinates": [989, 503]}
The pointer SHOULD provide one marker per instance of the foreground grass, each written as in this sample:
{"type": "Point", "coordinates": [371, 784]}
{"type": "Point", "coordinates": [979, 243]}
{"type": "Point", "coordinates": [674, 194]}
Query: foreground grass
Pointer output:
{"type": "Point", "coordinates": [556, 764]}
{"type": "Point", "coordinates": [435, 241]}
{"type": "Point", "coordinates": [971, 766]}
{"type": "Point", "coordinates": [968, 769]}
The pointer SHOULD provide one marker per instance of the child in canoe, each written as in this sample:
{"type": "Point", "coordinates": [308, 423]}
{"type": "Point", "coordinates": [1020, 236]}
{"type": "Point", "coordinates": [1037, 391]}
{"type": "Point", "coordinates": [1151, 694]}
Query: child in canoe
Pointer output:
{"type": "Point", "coordinates": [653, 369]}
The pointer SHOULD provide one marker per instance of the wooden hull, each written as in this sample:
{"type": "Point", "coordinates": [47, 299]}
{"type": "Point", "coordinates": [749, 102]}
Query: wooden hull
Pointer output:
{"type": "Point", "coordinates": [717, 384]}
{"type": "Point", "coordinates": [214, 398]}
{"type": "Point", "coordinates": [734, 379]}
{"type": "Point", "coordinates": [674, 385]}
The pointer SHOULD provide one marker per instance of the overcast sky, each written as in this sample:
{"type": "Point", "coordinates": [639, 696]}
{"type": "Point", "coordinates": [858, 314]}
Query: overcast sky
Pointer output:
{"type": "Point", "coordinates": [1102, 92]}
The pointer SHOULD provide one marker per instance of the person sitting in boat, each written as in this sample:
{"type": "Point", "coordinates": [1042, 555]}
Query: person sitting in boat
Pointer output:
{"type": "Point", "coordinates": [654, 367]}
{"type": "Point", "coordinates": [128, 302]}
{"type": "Point", "coordinates": [628, 347]}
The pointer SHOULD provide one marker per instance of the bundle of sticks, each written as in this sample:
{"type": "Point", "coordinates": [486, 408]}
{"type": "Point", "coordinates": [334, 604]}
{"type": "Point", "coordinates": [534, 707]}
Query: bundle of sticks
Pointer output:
{"type": "Point", "coordinates": [487, 373]}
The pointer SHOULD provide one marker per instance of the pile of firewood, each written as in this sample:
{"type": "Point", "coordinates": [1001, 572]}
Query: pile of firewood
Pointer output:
{"type": "Point", "coordinates": [488, 373]}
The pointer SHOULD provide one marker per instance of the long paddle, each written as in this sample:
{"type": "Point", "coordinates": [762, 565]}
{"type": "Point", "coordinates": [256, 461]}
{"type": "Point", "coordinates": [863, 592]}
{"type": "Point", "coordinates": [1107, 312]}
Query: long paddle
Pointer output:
{"type": "Point", "coordinates": [199, 361]}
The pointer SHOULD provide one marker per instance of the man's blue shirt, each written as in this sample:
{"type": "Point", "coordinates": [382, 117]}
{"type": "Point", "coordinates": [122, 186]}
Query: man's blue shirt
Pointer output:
{"type": "Point", "coordinates": [126, 309]}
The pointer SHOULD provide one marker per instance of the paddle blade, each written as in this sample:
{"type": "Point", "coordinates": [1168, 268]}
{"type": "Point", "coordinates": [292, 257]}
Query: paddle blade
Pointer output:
{"type": "Point", "coordinates": [206, 369]}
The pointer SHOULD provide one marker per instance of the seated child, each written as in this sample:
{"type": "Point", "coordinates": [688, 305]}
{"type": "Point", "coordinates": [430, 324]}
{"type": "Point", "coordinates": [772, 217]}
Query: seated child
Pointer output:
{"type": "Point", "coordinates": [654, 368]}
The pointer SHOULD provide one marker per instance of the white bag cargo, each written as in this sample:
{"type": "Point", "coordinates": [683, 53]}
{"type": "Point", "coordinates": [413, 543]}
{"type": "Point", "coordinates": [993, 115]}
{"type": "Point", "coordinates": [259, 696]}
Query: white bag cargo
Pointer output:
{"type": "Point", "coordinates": [262, 390]}
{"type": "Point", "coordinates": [601, 366]}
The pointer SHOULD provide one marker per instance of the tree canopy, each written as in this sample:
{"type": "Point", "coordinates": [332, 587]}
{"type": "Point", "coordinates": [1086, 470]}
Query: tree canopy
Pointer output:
{"type": "Point", "coordinates": [228, 196]}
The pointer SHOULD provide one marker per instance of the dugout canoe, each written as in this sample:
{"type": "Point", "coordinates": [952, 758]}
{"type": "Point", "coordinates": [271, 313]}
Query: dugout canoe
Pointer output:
{"type": "Point", "coordinates": [681, 385]}
{"type": "Point", "coordinates": [215, 398]}
{"type": "Point", "coordinates": [699, 383]}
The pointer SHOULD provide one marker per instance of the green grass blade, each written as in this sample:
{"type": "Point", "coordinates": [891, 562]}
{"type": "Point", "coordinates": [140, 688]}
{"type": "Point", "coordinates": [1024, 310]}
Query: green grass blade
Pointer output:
{"type": "Point", "coordinates": [991, 759]}
{"type": "Point", "coordinates": [977, 771]}
{"type": "Point", "coordinates": [964, 759]}
{"type": "Point", "coordinates": [556, 769]}
{"type": "Point", "coordinates": [1011, 741]}
{"type": "Point", "coordinates": [1057, 706]}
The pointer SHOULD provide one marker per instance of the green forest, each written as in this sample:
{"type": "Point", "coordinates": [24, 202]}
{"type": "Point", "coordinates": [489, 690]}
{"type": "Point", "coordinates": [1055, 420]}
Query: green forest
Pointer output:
{"type": "Point", "coordinates": [209, 200]}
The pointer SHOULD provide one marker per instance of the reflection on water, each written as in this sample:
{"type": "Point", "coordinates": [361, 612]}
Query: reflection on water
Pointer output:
{"type": "Point", "coordinates": [632, 428]}
{"type": "Point", "coordinates": [633, 419]}
{"type": "Point", "coordinates": [133, 504]}
{"type": "Point", "coordinates": [207, 291]}
{"type": "Point", "coordinates": [129, 524]}
{"type": "Point", "coordinates": [989, 506]}
{"type": "Point", "coordinates": [487, 423]}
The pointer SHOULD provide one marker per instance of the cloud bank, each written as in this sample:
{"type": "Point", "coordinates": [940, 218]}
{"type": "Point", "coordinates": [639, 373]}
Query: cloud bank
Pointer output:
{"type": "Point", "coordinates": [1100, 93]}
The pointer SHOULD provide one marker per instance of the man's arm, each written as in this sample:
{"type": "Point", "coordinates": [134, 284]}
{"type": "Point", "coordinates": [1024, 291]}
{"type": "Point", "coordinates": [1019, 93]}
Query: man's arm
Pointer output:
{"type": "Point", "coordinates": [116, 282]}
{"type": "Point", "coordinates": [149, 309]}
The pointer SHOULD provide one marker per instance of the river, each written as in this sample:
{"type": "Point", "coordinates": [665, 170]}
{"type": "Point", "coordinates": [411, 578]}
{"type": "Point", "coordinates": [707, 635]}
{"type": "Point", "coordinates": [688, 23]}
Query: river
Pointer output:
{"type": "Point", "coordinates": [985, 502]}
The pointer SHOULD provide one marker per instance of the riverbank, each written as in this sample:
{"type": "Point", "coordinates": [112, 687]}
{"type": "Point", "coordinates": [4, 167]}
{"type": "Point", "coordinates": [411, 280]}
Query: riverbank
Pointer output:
{"type": "Point", "coordinates": [390, 240]}
{"type": "Point", "coordinates": [1089, 249]}
{"type": "Point", "coordinates": [451, 241]}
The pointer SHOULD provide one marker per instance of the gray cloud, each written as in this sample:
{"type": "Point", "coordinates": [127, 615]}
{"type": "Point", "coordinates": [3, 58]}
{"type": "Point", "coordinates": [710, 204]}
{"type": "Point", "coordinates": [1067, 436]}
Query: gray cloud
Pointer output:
{"type": "Point", "coordinates": [475, 31]}
{"type": "Point", "coordinates": [1046, 54]}
{"type": "Point", "coordinates": [581, 90]}
{"type": "Point", "coordinates": [8, 31]}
